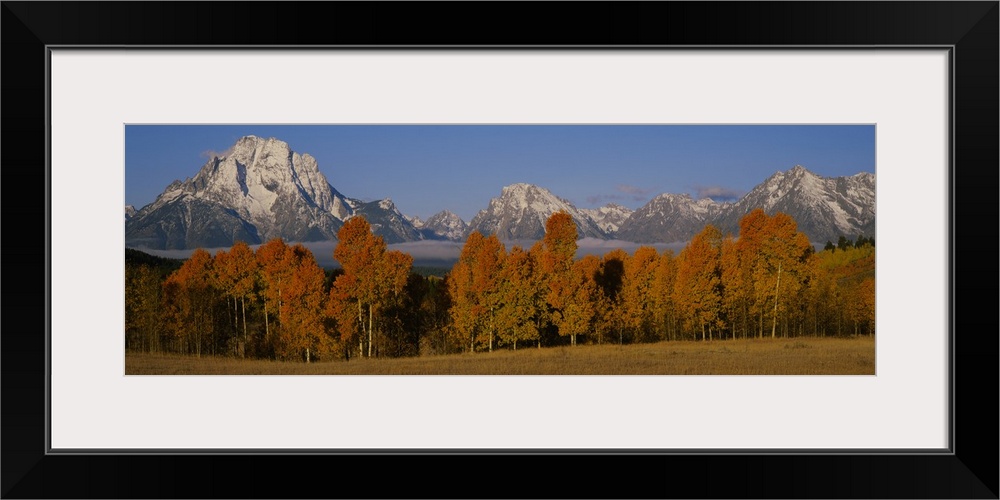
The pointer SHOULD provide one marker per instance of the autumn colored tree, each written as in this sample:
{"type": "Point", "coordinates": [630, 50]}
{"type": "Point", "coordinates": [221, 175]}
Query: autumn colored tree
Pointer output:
{"type": "Point", "coordinates": [344, 311]}
{"type": "Point", "coordinates": [560, 238]}
{"type": "Point", "coordinates": [742, 267]}
{"type": "Point", "coordinates": [235, 274]}
{"type": "Point", "coordinates": [766, 270]}
{"type": "Point", "coordinates": [556, 265]}
{"type": "Point", "coordinates": [783, 251]}
{"type": "Point", "coordinates": [359, 252]}
{"type": "Point", "coordinates": [662, 292]}
{"type": "Point", "coordinates": [372, 277]}
{"type": "Point", "coordinates": [588, 270]}
{"type": "Point", "coordinates": [516, 318]}
{"type": "Point", "coordinates": [475, 289]}
{"type": "Point", "coordinates": [580, 308]}
{"type": "Point", "coordinates": [188, 297]}
{"type": "Point", "coordinates": [276, 263]}
{"type": "Point", "coordinates": [697, 290]}
{"type": "Point", "coordinates": [486, 283]}
{"type": "Point", "coordinates": [465, 310]}
{"type": "Point", "coordinates": [302, 308]}
{"type": "Point", "coordinates": [637, 300]}
{"type": "Point", "coordinates": [737, 285]}
{"type": "Point", "coordinates": [539, 283]}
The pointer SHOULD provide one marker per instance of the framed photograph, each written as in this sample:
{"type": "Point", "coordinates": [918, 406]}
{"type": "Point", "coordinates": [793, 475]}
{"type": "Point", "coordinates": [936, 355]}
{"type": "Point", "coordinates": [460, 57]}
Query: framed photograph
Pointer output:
{"type": "Point", "coordinates": [920, 77]}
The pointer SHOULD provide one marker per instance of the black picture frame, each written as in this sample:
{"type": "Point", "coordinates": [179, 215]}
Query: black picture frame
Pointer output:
{"type": "Point", "coordinates": [970, 470]}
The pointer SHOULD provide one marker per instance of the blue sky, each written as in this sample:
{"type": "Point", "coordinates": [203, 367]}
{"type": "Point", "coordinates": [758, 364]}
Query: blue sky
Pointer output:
{"type": "Point", "coordinates": [429, 168]}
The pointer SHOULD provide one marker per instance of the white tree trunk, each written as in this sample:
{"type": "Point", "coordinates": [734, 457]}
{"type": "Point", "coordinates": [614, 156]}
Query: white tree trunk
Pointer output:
{"type": "Point", "coordinates": [774, 320]}
{"type": "Point", "coordinates": [243, 302]}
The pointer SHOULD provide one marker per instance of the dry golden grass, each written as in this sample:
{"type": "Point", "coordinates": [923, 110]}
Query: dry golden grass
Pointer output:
{"type": "Point", "coordinates": [798, 356]}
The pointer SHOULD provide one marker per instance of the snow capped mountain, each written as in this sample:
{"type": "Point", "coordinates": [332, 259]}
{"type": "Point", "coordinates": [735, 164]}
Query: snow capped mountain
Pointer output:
{"type": "Point", "coordinates": [825, 208]}
{"type": "Point", "coordinates": [387, 221]}
{"type": "Point", "coordinates": [609, 217]}
{"type": "Point", "coordinates": [444, 225]}
{"type": "Point", "coordinates": [668, 218]}
{"type": "Point", "coordinates": [129, 212]}
{"type": "Point", "coordinates": [260, 190]}
{"type": "Point", "coordinates": [520, 213]}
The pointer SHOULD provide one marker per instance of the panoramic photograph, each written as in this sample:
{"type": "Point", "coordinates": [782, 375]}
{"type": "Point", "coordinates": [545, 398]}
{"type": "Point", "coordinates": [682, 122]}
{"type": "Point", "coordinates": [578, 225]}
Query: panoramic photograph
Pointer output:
{"type": "Point", "coordinates": [499, 249]}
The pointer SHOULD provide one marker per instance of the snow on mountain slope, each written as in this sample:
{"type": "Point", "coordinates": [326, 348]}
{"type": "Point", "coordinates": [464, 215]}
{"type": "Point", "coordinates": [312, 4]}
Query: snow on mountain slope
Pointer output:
{"type": "Point", "coordinates": [609, 217]}
{"type": "Point", "coordinates": [520, 213]}
{"type": "Point", "coordinates": [444, 225]}
{"type": "Point", "coordinates": [824, 208]}
{"type": "Point", "coordinates": [668, 218]}
{"type": "Point", "coordinates": [260, 190]}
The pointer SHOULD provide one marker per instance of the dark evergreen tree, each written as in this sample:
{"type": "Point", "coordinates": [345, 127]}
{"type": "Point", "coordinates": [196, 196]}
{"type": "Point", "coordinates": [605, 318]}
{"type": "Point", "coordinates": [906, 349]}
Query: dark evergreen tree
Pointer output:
{"type": "Point", "coordinates": [843, 243]}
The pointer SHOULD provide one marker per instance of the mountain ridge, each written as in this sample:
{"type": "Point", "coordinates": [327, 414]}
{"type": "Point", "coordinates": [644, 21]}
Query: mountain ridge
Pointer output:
{"type": "Point", "coordinates": [262, 189]}
{"type": "Point", "coordinates": [520, 213]}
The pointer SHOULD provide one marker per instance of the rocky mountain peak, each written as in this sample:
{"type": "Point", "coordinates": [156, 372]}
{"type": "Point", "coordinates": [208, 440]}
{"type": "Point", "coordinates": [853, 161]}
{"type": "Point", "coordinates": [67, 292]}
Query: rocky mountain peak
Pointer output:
{"type": "Point", "coordinates": [672, 197]}
{"type": "Point", "coordinates": [667, 218]}
{"type": "Point", "coordinates": [387, 221]}
{"type": "Point", "coordinates": [823, 207]}
{"type": "Point", "coordinates": [520, 213]}
{"type": "Point", "coordinates": [446, 225]}
{"type": "Point", "coordinates": [387, 204]}
{"type": "Point", "coordinates": [258, 190]}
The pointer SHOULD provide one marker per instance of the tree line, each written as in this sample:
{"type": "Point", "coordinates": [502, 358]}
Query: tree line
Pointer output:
{"type": "Point", "coordinates": [769, 282]}
{"type": "Point", "coordinates": [278, 303]}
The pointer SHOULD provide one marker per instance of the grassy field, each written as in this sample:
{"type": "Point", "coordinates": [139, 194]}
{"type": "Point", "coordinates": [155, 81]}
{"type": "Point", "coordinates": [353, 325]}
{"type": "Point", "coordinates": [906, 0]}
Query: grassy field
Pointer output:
{"type": "Point", "coordinates": [798, 356]}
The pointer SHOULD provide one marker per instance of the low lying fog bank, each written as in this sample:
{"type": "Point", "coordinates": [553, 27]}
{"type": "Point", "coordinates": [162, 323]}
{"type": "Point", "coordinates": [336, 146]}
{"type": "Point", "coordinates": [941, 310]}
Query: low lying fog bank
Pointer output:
{"type": "Point", "coordinates": [594, 246]}
{"type": "Point", "coordinates": [321, 250]}
{"type": "Point", "coordinates": [437, 253]}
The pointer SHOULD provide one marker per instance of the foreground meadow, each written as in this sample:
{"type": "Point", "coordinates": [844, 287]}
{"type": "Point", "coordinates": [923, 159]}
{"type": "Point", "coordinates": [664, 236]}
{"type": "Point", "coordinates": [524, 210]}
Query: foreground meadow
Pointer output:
{"type": "Point", "coordinates": [797, 356]}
